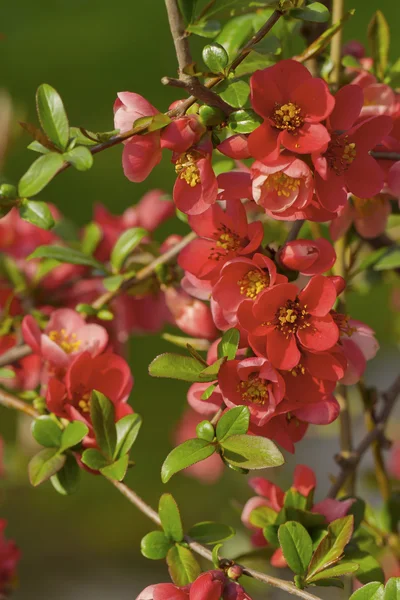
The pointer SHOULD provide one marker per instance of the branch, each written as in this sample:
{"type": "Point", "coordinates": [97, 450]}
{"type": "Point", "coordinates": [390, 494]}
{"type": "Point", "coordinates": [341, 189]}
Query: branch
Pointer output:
{"type": "Point", "coordinates": [11, 401]}
{"type": "Point", "coordinates": [389, 399]}
{"type": "Point", "coordinates": [294, 231]}
{"type": "Point", "coordinates": [336, 43]}
{"type": "Point", "coordinates": [193, 86]}
{"type": "Point", "coordinates": [15, 354]}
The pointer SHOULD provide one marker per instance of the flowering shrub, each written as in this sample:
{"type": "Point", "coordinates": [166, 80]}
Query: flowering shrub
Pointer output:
{"type": "Point", "coordinates": [287, 174]}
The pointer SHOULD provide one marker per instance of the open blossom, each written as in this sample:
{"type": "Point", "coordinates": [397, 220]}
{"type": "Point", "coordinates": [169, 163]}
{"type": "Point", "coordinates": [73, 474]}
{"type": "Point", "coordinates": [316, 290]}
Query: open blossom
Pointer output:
{"type": "Point", "coordinates": [223, 235]}
{"type": "Point", "coordinates": [344, 164]}
{"type": "Point", "coordinates": [309, 257]}
{"type": "Point", "coordinates": [252, 382]}
{"type": "Point", "coordinates": [69, 397]}
{"type": "Point", "coordinates": [141, 152]}
{"type": "Point", "coordinates": [9, 558]}
{"type": "Point", "coordinates": [65, 335]}
{"type": "Point", "coordinates": [359, 345]}
{"type": "Point", "coordinates": [290, 320]}
{"type": "Point", "coordinates": [293, 104]}
{"type": "Point", "coordinates": [369, 216]}
{"type": "Point", "coordinates": [191, 315]}
{"type": "Point", "coordinates": [272, 497]}
{"type": "Point", "coordinates": [283, 187]}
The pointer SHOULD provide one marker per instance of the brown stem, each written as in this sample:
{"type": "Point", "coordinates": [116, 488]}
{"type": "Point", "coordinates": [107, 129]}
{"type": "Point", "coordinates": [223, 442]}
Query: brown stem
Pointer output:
{"type": "Point", "coordinates": [179, 36]}
{"type": "Point", "coordinates": [15, 354]}
{"type": "Point", "coordinates": [336, 44]}
{"type": "Point", "coordinates": [11, 401]}
{"type": "Point", "coordinates": [193, 86]}
{"type": "Point", "coordinates": [349, 466]}
{"type": "Point", "coordinates": [294, 230]}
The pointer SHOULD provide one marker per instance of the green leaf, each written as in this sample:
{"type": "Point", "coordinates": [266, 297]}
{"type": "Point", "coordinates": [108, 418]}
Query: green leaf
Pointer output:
{"type": "Point", "coordinates": [379, 40]}
{"type": "Point", "coordinates": [235, 34]}
{"type": "Point", "coordinates": [188, 453]}
{"type": "Point", "coordinates": [215, 555]}
{"type": "Point", "coordinates": [319, 45]}
{"type": "Point", "coordinates": [235, 92]}
{"type": "Point", "coordinates": [6, 373]}
{"type": "Point", "coordinates": [371, 591]}
{"type": "Point", "coordinates": [343, 568]}
{"type": "Point", "coordinates": [215, 57]}
{"type": "Point", "coordinates": [73, 434]}
{"type": "Point", "coordinates": [330, 583]}
{"type": "Point", "coordinates": [369, 568]}
{"type": "Point", "coordinates": [45, 464]}
{"type": "Point", "coordinates": [127, 431]}
{"type": "Point", "coordinates": [210, 373]}
{"type": "Point", "coordinates": [39, 174]}
{"type": "Point", "coordinates": [52, 115]}
{"type": "Point", "coordinates": [117, 470]}
{"type": "Point", "coordinates": [93, 459]}
{"type": "Point", "coordinates": [210, 533]}
{"type": "Point", "coordinates": [37, 213]}
{"type": "Point", "coordinates": [296, 546]}
{"type": "Point", "coordinates": [262, 516]}
{"type": "Point", "coordinates": [125, 244]}
{"type": "Point", "coordinates": [253, 62]}
{"type": "Point", "coordinates": [91, 238]}
{"type": "Point", "coordinates": [103, 420]}
{"type": "Point", "coordinates": [208, 392]}
{"type": "Point", "coordinates": [331, 548]}
{"type": "Point", "coordinates": [234, 422]}
{"type": "Point", "coordinates": [182, 565]}
{"type": "Point", "coordinates": [244, 121]}
{"type": "Point", "coordinates": [391, 260]}
{"type": "Point", "coordinates": [251, 452]}
{"type": "Point", "coordinates": [66, 255]}
{"type": "Point", "coordinates": [294, 499]}
{"type": "Point", "coordinates": [170, 517]}
{"type": "Point", "coordinates": [207, 29]}
{"type": "Point", "coordinates": [155, 545]}
{"type": "Point", "coordinates": [175, 366]}
{"type": "Point", "coordinates": [79, 157]}
{"type": "Point", "coordinates": [392, 589]}
{"type": "Point", "coordinates": [46, 432]}
{"type": "Point", "coordinates": [205, 431]}
{"type": "Point", "coordinates": [66, 481]}
{"type": "Point", "coordinates": [314, 12]}
{"type": "Point", "coordinates": [188, 9]}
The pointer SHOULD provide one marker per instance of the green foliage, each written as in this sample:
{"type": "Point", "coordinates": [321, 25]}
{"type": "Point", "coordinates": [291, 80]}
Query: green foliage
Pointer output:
{"type": "Point", "coordinates": [94, 459]}
{"type": "Point", "coordinates": [6, 373]}
{"type": "Point", "coordinates": [91, 238]}
{"type": "Point", "coordinates": [251, 452]}
{"type": "Point", "coordinates": [183, 567]}
{"type": "Point", "coordinates": [79, 157]}
{"type": "Point", "coordinates": [185, 455]}
{"type": "Point", "coordinates": [235, 34]}
{"type": "Point", "coordinates": [73, 434]}
{"type": "Point", "coordinates": [37, 213]}
{"type": "Point", "coordinates": [46, 432]}
{"type": "Point", "coordinates": [296, 545]}
{"type": "Point", "coordinates": [244, 121]}
{"type": "Point", "coordinates": [117, 469]}
{"type": "Point", "coordinates": [39, 174]}
{"type": "Point", "coordinates": [188, 9]}
{"type": "Point", "coordinates": [207, 29]}
{"type": "Point", "coordinates": [170, 518]}
{"type": "Point", "coordinates": [234, 422]}
{"type": "Point", "coordinates": [66, 255]}
{"type": "Point", "coordinates": [215, 57]}
{"type": "Point", "coordinates": [229, 344]}
{"type": "Point", "coordinates": [155, 545]}
{"type": "Point", "coordinates": [103, 420]}
{"type": "Point", "coordinates": [66, 481]}
{"type": "Point", "coordinates": [205, 431]}
{"type": "Point", "coordinates": [389, 260]}
{"type": "Point", "coordinates": [52, 115]}
{"type": "Point", "coordinates": [314, 12]}
{"type": "Point", "coordinates": [235, 92]}
{"type": "Point", "coordinates": [127, 431]}
{"type": "Point", "coordinates": [175, 366]}
{"type": "Point", "coordinates": [262, 516]}
{"type": "Point", "coordinates": [211, 115]}
{"type": "Point", "coordinates": [376, 591]}
{"type": "Point", "coordinates": [210, 533]}
{"type": "Point", "coordinates": [126, 243]}
{"type": "Point", "coordinates": [44, 465]}
{"type": "Point", "coordinates": [379, 40]}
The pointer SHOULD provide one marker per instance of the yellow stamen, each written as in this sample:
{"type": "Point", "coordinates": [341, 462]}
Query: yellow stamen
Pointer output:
{"type": "Point", "coordinates": [282, 184]}
{"type": "Point", "coordinates": [253, 283]}
{"type": "Point", "coordinates": [287, 116]}
{"type": "Point", "coordinates": [68, 342]}
{"type": "Point", "coordinates": [187, 169]}
{"type": "Point", "coordinates": [254, 390]}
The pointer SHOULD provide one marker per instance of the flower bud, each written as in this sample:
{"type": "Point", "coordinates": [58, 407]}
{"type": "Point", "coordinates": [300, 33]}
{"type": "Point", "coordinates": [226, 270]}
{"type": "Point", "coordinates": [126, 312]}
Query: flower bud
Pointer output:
{"type": "Point", "coordinates": [234, 572]}
{"type": "Point", "coordinates": [309, 257]}
{"type": "Point", "coordinates": [205, 431]}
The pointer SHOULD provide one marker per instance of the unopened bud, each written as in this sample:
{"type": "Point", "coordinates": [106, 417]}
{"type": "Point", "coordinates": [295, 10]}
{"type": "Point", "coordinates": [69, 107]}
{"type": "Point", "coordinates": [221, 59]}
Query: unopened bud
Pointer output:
{"type": "Point", "coordinates": [234, 572]}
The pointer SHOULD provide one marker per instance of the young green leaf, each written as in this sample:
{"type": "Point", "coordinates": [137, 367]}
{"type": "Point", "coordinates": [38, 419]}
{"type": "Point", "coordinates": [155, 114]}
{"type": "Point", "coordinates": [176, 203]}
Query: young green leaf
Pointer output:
{"type": "Point", "coordinates": [244, 121]}
{"type": "Point", "coordinates": [391, 260]}
{"type": "Point", "coordinates": [91, 238]}
{"type": "Point", "coordinates": [182, 565]}
{"type": "Point", "coordinates": [262, 516]}
{"type": "Point", "coordinates": [155, 545]}
{"type": "Point", "coordinates": [210, 533]}
{"type": "Point", "coordinates": [371, 591]}
{"type": "Point", "coordinates": [73, 434]}
{"type": "Point", "coordinates": [188, 9]}
{"type": "Point", "coordinates": [125, 244]}
{"type": "Point", "coordinates": [331, 548]}
{"type": "Point", "coordinates": [66, 255]}
{"type": "Point", "coordinates": [117, 470]}
{"type": "Point", "coordinates": [185, 455]}
{"type": "Point", "coordinates": [170, 517]}
{"type": "Point", "coordinates": [229, 344]}
{"type": "Point", "coordinates": [52, 115]}
{"type": "Point", "coordinates": [44, 465]}
{"type": "Point", "coordinates": [127, 431]}
{"type": "Point", "coordinates": [234, 422]}
{"type": "Point", "coordinates": [215, 57]}
{"type": "Point", "coordinates": [235, 34]}
{"type": "Point", "coordinates": [342, 568]}
{"type": "Point", "coordinates": [392, 589]}
{"type": "Point", "coordinates": [46, 432]}
{"type": "Point", "coordinates": [175, 366]}
{"type": "Point", "coordinates": [251, 452]}
{"type": "Point", "coordinates": [207, 29]}
{"type": "Point", "coordinates": [37, 213]}
{"type": "Point", "coordinates": [103, 419]}
{"type": "Point", "coordinates": [93, 459]}
{"type": "Point", "coordinates": [210, 373]}
{"type": "Point", "coordinates": [296, 546]}
{"type": "Point", "coordinates": [66, 481]}
{"type": "Point", "coordinates": [369, 568]}
{"type": "Point", "coordinates": [208, 392]}
{"type": "Point", "coordinates": [314, 12]}
{"type": "Point", "coordinates": [6, 373]}
{"type": "Point", "coordinates": [79, 157]}
{"type": "Point", "coordinates": [39, 174]}
{"type": "Point", "coordinates": [235, 92]}
{"type": "Point", "coordinates": [379, 40]}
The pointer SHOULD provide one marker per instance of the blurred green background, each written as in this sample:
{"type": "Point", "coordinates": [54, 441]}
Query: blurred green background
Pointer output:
{"type": "Point", "coordinates": [87, 545]}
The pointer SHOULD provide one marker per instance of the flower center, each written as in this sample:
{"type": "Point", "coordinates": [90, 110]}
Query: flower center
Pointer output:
{"type": "Point", "coordinates": [340, 153]}
{"type": "Point", "coordinates": [253, 390]}
{"type": "Point", "coordinates": [84, 403]}
{"type": "Point", "coordinates": [67, 341]}
{"type": "Point", "coordinates": [282, 184]}
{"type": "Point", "coordinates": [253, 283]}
{"type": "Point", "coordinates": [298, 370]}
{"type": "Point", "coordinates": [187, 169]}
{"type": "Point", "coordinates": [367, 206]}
{"type": "Point", "coordinates": [291, 317]}
{"type": "Point", "coordinates": [226, 241]}
{"type": "Point", "coordinates": [287, 116]}
{"type": "Point", "coordinates": [342, 322]}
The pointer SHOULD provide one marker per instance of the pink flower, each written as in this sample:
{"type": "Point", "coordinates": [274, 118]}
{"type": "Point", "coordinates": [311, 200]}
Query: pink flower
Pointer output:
{"type": "Point", "coordinates": [293, 109]}
{"type": "Point", "coordinates": [369, 216]}
{"type": "Point", "coordinates": [9, 558]}
{"type": "Point", "coordinates": [252, 382]}
{"type": "Point", "coordinates": [283, 187]}
{"type": "Point", "coordinates": [191, 315]}
{"type": "Point", "coordinates": [141, 152]}
{"type": "Point", "coordinates": [309, 257]}
{"type": "Point", "coordinates": [204, 407]}
{"type": "Point", "coordinates": [196, 186]}
{"type": "Point", "coordinates": [70, 396]}
{"type": "Point", "coordinates": [212, 585]}
{"type": "Point", "coordinates": [359, 345]}
{"type": "Point", "coordinates": [181, 134]}
{"type": "Point", "coordinates": [235, 147]}
{"type": "Point", "coordinates": [65, 335]}
{"type": "Point", "coordinates": [164, 591]}
{"type": "Point", "coordinates": [222, 237]}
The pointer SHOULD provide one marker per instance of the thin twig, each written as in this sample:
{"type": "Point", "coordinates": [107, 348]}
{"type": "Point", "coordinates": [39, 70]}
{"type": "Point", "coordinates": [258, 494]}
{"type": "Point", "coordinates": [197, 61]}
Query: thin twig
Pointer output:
{"type": "Point", "coordinates": [294, 230]}
{"type": "Point", "coordinates": [14, 355]}
{"type": "Point", "coordinates": [336, 43]}
{"type": "Point", "coordinates": [11, 401]}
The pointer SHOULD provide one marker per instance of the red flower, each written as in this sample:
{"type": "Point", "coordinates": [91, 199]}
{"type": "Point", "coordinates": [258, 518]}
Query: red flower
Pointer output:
{"type": "Point", "coordinates": [309, 257]}
{"type": "Point", "coordinates": [222, 237]}
{"type": "Point", "coordinates": [9, 558]}
{"type": "Point", "coordinates": [290, 320]}
{"type": "Point", "coordinates": [344, 164]}
{"type": "Point", "coordinates": [181, 134]}
{"type": "Point", "coordinates": [191, 315]}
{"type": "Point", "coordinates": [369, 215]}
{"type": "Point", "coordinates": [141, 152]}
{"type": "Point", "coordinates": [108, 373]}
{"type": "Point", "coordinates": [252, 382]}
{"type": "Point", "coordinates": [293, 104]}
{"type": "Point", "coordinates": [283, 187]}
